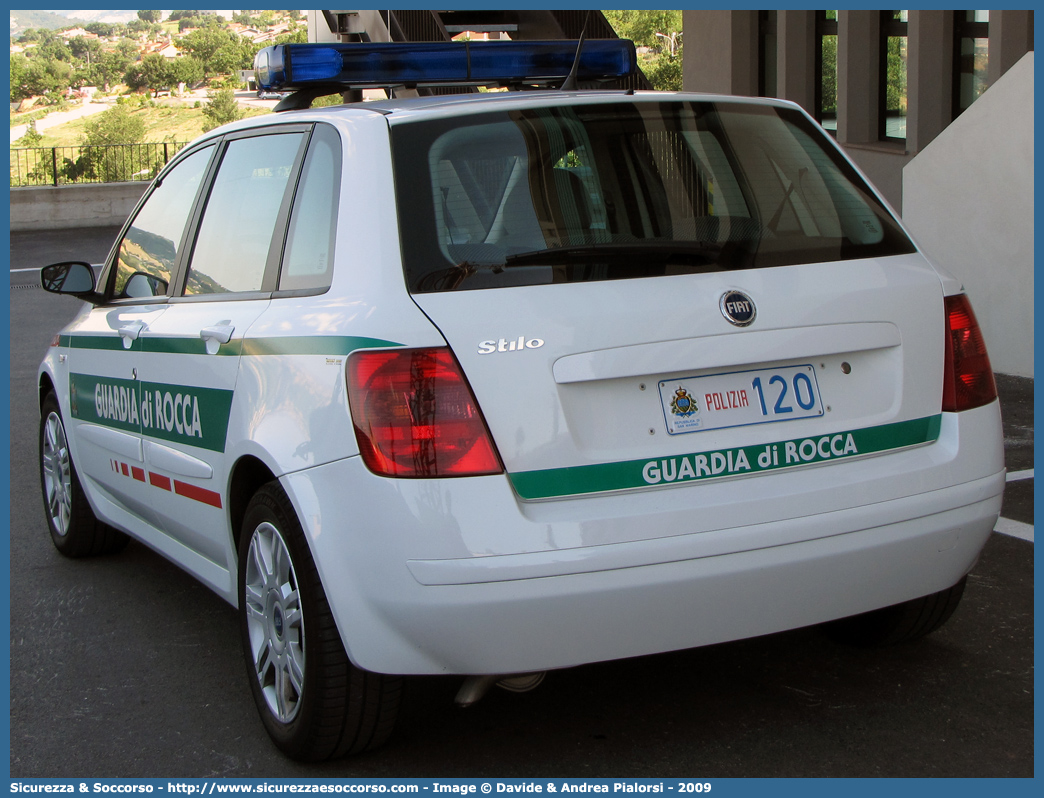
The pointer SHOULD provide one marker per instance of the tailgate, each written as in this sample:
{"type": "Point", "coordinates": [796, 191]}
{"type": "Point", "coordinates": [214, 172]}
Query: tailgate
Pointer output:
{"type": "Point", "coordinates": [647, 379]}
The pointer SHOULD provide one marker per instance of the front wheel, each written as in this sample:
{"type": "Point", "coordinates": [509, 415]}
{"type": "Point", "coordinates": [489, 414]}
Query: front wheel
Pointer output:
{"type": "Point", "coordinates": [314, 703]}
{"type": "Point", "coordinates": [74, 529]}
{"type": "Point", "coordinates": [900, 623]}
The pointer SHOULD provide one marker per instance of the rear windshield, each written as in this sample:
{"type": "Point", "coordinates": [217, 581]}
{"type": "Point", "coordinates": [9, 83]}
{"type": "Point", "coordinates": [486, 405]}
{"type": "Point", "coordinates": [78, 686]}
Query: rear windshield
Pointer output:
{"type": "Point", "coordinates": [626, 190]}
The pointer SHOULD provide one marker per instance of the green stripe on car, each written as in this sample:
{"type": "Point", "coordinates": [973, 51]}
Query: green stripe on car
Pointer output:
{"type": "Point", "coordinates": [275, 345]}
{"type": "Point", "coordinates": [311, 345]}
{"type": "Point", "coordinates": [712, 464]}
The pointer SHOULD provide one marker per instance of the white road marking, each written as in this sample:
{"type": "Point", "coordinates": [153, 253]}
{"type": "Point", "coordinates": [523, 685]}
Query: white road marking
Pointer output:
{"type": "Point", "coordinates": [1015, 476]}
{"type": "Point", "coordinates": [1015, 529]}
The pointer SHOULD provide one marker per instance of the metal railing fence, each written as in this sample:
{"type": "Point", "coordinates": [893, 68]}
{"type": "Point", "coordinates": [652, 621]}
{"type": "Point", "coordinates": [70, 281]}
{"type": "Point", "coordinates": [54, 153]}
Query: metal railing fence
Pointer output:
{"type": "Point", "coordinates": [115, 163]}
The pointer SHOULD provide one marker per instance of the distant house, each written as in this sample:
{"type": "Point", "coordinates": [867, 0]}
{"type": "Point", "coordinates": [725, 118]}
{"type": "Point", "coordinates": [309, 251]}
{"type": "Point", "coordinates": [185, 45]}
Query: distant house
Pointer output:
{"type": "Point", "coordinates": [167, 49]}
{"type": "Point", "coordinates": [244, 30]}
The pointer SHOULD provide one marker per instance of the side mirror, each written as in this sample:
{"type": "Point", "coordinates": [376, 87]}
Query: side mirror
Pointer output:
{"type": "Point", "coordinates": [141, 284]}
{"type": "Point", "coordinates": [69, 277]}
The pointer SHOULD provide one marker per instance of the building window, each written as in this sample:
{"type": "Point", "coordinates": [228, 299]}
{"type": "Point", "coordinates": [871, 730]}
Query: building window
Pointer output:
{"type": "Point", "coordinates": [893, 75]}
{"type": "Point", "coordinates": [826, 69]}
{"type": "Point", "coordinates": [970, 57]}
{"type": "Point", "coordinates": [767, 41]}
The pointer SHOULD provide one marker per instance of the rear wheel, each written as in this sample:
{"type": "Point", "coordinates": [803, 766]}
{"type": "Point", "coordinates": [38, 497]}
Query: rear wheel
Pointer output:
{"type": "Point", "coordinates": [900, 623]}
{"type": "Point", "coordinates": [314, 703]}
{"type": "Point", "coordinates": [74, 529]}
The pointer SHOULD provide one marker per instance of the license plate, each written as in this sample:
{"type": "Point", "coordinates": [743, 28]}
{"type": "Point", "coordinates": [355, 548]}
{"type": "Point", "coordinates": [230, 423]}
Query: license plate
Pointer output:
{"type": "Point", "coordinates": [739, 398]}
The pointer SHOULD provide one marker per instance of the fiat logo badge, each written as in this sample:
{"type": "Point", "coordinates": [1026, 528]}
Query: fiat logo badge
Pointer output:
{"type": "Point", "coordinates": [737, 308]}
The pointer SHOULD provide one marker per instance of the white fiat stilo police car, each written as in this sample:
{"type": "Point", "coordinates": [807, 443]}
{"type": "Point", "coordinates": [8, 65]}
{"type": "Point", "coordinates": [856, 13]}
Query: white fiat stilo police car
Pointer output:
{"type": "Point", "coordinates": [500, 383]}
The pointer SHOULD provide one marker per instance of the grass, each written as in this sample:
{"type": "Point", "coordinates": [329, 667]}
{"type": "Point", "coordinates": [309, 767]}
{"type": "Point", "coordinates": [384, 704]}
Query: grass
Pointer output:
{"type": "Point", "coordinates": [162, 122]}
{"type": "Point", "coordinates": [28, 116]}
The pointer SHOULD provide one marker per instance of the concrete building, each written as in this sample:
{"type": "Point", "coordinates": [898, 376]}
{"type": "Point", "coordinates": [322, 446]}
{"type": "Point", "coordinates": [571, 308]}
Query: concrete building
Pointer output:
{"type": "Point", "coordinates": [924, 103]}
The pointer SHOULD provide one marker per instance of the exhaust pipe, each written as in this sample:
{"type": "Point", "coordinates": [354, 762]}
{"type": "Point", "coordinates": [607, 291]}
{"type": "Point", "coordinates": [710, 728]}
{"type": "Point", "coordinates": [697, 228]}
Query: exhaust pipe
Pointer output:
{"type": "Point", "coordinates": [475, 687]}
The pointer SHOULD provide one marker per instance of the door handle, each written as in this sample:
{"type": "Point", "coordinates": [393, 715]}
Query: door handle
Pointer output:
{"type": "Point", "coordinates": [217, 334]}
{"type": "Point", "coordinates": [129, 332]}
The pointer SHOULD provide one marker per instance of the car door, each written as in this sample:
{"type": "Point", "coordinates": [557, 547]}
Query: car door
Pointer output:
{"type": "Point", "coordinates": [189, 357]}
{"type": "Point", "coordinates": [103, 346]}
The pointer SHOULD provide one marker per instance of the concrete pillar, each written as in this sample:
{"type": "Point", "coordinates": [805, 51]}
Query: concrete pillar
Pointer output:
{"type": "Point", "coordinates": [858, 70]}
{"type": "Point", "coordinates": [1011, 37]}
{"type": "Point", "coordinates": [721, 52]}
{"type": "Point", "coordinates": [318, 29]}
{"type": "Point", "coordinates": [929, 85]}
{"type": "Point", "coordinates": [796, 58]}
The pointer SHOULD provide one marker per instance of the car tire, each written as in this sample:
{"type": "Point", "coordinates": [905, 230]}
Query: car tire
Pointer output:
{"type": "Point", "coordinates": [315, 704]}
{"type": "Point", "coordinates": [900, 623]}
{"type": "Point", "coordinates": [75, 531]}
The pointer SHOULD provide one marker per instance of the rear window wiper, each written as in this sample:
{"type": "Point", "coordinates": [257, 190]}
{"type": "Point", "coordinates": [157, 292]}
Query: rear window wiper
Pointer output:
{"type": "Point", "coordinates": [659, 251]}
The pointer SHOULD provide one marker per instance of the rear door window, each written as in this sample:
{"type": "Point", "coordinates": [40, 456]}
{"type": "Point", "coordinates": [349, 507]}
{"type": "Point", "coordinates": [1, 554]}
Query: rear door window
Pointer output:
{"type": "Point", "coordinates": [239, 224]}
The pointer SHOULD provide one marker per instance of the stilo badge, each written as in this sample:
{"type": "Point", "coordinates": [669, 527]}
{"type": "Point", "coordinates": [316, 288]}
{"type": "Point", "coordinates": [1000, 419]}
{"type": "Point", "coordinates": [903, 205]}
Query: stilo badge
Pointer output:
{"type": "Point", "coordinates": [738, 308]}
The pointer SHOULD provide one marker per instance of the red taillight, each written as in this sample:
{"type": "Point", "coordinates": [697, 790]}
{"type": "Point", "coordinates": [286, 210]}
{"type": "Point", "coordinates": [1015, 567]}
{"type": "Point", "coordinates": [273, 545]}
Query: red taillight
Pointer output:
{"type": "Point", "coordinates": [415, 415]}
{"type": "Point", "coordinates": [967, 378]}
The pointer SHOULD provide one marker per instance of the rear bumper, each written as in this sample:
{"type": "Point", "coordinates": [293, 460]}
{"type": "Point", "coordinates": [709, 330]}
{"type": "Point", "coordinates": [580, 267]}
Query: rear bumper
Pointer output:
{"type": "Point", "coordinates": [418, 582]}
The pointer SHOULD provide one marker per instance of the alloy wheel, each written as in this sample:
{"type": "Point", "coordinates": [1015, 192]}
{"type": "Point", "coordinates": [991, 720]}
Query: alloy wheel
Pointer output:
{"type": "Point", "coordinates": [275, 622]}
{"type": "Point", "coordinates": [57, 473]}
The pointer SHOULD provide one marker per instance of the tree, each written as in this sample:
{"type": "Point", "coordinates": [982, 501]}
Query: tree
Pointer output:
{"type": "Point", "coordinates": [829, 105]}
{"type": "Point", "coordinates": [220, 109]}
{"type": "Point", "coordinates": [100, 28]}
{"type": "Point", "coordinates": [118, 125]}
{"type": "Point", "coordinates": [99, 159]}
{"type": "Point", "coordinates": [156, 73]}
{"type": "Point", "coordinates": [299, 36]}
{"type": "Point", "coordinates": [127, 49]}
{"type": "Point", "coordinates": [140, 26]}
{"type": "Point", "coordinates": [86, 49]}
{"type": "Point", "coordinates": [186, 69]}
{"type": "Point", "coordinates": [217, 49]}
{"type": "Point", "coordinates": [53, 48]}
{"type": "Point", "coordinates": [37, 76]}
{"type": "Point", "coordinates": [666, 75]}
{"type": "Point", "coordinates": [660, 32]}
{"type": "Point", "coordinates": [151, 73]}
{"type": "Point", "coordinates": [32, 137]}
{"type": "Point", "coordinates": [19, 65]}
{"type": "Point", "coordinates": [112, 66]}
{"type": "Point", "coordinates": [895, 82]}
{"type": "Point", "coordinates": [641, 27]}
{"type": "Point", "coordinates": [150, 16]}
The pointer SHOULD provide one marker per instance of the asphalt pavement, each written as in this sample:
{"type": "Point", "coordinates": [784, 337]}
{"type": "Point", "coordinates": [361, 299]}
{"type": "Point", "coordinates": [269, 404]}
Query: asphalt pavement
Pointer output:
{"type": "Point", "coordinates": [125, 666]}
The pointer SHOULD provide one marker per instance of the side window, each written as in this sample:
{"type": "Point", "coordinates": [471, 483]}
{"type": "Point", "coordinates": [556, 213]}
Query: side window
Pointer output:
{"type": "Point", "coordinates": [308, 256]}
{"type": "Point", "coordinates": [238, 224]}
{"type": "Point", "coordinates": [150, 245]}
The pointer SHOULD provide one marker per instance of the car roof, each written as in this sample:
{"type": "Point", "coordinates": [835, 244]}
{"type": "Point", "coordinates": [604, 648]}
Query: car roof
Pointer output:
{"type": "Point", "coordinates": [407, 110]}
{"type": "Point", "coordinates": [411, 108]}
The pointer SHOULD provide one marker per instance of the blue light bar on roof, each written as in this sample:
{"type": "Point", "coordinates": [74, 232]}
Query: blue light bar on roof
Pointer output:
{"type": "Point", "coordinates": [368, 65]}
